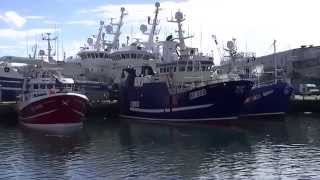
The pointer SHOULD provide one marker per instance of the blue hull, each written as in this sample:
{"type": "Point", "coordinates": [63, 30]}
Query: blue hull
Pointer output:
{"type": "Point", "coordinates": [10, 88]}
{"type": "Point", "coordinates": [10, 95]}
{"type": "Point", "coordinates": [268, 100]}
{"type": "Point", "coordinates": [153, 102]}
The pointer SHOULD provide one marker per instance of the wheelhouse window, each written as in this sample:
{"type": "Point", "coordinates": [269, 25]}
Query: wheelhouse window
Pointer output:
{"type": "Point", "coordinates": [182, 68]}
{"type": "Point", "coordinates": [139, 56]}
{"type": "Point", "coordinates": [35, 86]}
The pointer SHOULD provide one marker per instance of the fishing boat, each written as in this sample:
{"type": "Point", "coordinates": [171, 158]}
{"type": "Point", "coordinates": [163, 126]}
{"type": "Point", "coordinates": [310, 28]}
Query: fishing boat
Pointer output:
{"type": "Point", "coordinates": [271, 92]}
{"type": "Point", "coordinates": [50, 101]}
{"type": "Point", "coordinates": [267, 99]}
{"type": "Point", "coordinates": [10, 83]}
{"type": "Point", "coordinates": [182, 89]}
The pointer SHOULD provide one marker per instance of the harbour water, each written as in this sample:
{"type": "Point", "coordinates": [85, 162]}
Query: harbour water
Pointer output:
{"type": "Point", "coordinates": [286, 148]}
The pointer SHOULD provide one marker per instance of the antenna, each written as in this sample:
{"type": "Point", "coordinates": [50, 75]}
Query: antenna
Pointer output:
{"type": "Point", "coordinates": [274, 59]}
{"type": "Point", "coordinates": [115, 42]}
{"type": "Point", "coordinates": [27, 44]}
{"type": "Point", "coordinates": [48, 39]}
{"type": "Point", "coordinates": [201, 38]}
{"type": "Point", "coordinates": [179, 18]}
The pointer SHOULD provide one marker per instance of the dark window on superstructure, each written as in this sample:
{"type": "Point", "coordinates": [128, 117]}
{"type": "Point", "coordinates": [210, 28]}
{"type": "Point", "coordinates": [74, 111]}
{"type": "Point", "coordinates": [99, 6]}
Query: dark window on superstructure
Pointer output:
{"type": "Point", "coordinates": [42, 86]}
{"type": "Point", "coordinates": [101, 55]}
{"type": "Point", "coordinates": [203, 68]}
{"type": "Point", "coordinates": [182, 68]}
{"type": "Point", "coordinates": [189, 68]}
{"type": "Point", "coordinates": [174, 69]}
{"type": "Point", "coordinates": [123, 56]}
{"type": "Point", "coordinates": [127, 56]}
{"type": "Point", "coordinates": [146, 57]}
{"type": "Point", "coordinates": [133, 56]}
{"type": "Point", "coordinates": [35, 86]}
{"type": "Point", "coordinates": [50, 86]}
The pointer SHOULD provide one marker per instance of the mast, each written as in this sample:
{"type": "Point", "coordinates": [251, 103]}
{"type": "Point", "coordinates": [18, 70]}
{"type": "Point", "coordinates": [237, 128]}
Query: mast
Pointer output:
{"type": "Point", "coordinates": [48, 39]}
{"type": "Point", "coordinates": [97, 45]}
{"type": "Point", "coordinates": [275, 60]}
{"type": "Point", "coordinates": [154, 23]}
{"type": "Point", "coordinates": [179, 19]}
{"type": "Point", "coordinates": [115, 42]}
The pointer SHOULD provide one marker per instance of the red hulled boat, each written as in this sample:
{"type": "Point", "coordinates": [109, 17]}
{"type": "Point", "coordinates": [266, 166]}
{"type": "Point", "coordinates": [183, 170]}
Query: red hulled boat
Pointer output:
{"type": "Point", "coordinates": [50, 101]}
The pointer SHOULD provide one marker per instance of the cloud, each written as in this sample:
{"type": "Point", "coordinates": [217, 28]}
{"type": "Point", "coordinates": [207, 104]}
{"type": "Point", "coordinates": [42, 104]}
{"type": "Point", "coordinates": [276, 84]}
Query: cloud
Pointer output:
{"type": "Point", "coordinates": [83, 22]}
{"type": "Point", "coordinates": [36, 17]}
{"type": "Point", "coordinates": [13, 18]}
{"type": "Point", "coordinates": [18, 35]}
{"type": "Point", "coordinates": [51, 22]}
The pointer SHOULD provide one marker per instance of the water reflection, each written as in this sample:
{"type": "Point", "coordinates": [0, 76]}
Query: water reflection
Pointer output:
{"type": "Point", "coordinates": [44, 154]}
{"type": "Point", "coordinates": [260, 149]}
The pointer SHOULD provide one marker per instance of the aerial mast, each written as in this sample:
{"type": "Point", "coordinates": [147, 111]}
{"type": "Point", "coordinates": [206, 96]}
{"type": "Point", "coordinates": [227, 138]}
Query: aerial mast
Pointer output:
{"type": "Point", "coordinates": [97, 45]}
{"type": "Point", "coordinates": [115, 42]}
{"type": "Point", "coordinates": [48, 39]}
{"type": "Point", "coordinates": [154, 23]}
{"type": "Point", "coordinates": [179, 19]}
{"type": "Point", "coordinates": [275, 60]}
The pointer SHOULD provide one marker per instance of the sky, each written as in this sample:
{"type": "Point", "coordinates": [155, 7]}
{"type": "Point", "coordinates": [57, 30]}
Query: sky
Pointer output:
{"type": "Point", "coordinates": [254, 23]}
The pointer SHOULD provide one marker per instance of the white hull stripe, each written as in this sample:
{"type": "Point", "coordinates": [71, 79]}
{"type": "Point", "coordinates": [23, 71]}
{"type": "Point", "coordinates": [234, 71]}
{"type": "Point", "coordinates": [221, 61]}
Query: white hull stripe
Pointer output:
{"type": "Point", "coordinates": [177, 120]}
{"type": "Point", "coordinates": [174, 109]}
{"type": "Point", "coordinates": [11, 88]}
{"type": "Point", "coordinates": [264, 114]}
{"type": "Point", "coordinates": [53, 127]}
{"type": "Point", "coordinates": [38, 115]}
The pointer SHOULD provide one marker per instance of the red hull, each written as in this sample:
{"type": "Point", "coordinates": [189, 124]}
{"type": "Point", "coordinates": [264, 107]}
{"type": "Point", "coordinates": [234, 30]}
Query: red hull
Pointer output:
{"type": "Point", "coordinates": [56, 109]}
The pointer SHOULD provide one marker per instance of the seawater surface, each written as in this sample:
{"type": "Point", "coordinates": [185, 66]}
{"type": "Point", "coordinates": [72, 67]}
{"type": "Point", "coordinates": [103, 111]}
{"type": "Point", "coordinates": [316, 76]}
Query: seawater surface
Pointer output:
{"type": "Point", "coordinates": [286, 148]}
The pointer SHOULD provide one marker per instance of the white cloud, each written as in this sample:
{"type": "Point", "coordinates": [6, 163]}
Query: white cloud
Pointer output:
{"type": "Point", "coordinates": [51, 22]}
{"type": "Point", "coordinates": [11, 17]}
{"type": "Point", "coordinates": [19, 35]}
{"type": "Point", "coordinates": [36, 17]}
{"type": "Point", "coordinates": [83, 22]}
